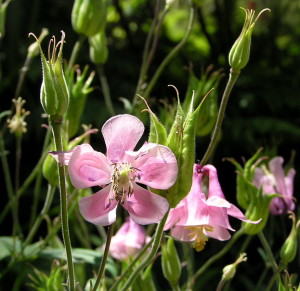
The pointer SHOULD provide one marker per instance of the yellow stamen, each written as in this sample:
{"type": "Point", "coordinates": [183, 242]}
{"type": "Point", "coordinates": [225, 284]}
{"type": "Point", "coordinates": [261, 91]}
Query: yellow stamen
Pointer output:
{"type": "Point", "coordinates": [196, 232]}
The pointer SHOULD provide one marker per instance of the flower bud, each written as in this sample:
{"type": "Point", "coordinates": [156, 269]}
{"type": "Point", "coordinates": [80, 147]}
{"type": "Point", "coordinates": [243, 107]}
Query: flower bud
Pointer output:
{"type": "Point", "coordinates": [229, 270]}
{"type": "Point", "coordinates": [80, 88]}
{"type": "Point", "coordinates": [240, 51]}
{"type": "Point", "coordinates": [3, 8]}
{"type": "Point", "coordinates": [98, 48]}
{"type": "Point", "coordinates": [89, 16]}
{"type": "Point", "coordinates": [289, 249]}
{"type": "Point", "coordinates": [170, 262]}
{"type": "Point", "coordinates": [54, 91]}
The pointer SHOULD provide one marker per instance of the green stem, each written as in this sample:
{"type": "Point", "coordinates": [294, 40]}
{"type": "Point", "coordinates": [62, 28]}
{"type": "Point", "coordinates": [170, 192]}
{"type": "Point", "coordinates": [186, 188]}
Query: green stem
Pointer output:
{"type": "Point", "coordinates": [105, 90]}
{"type": "Point", "coordinates": [75, 52]}
{"type": "Point", "coordinates": [167, 59]}
{"type": "Point", "coordinates": [218, 255]}
{"type": "Point", "coordinates": [44, 211]}
{"type": "Point", "coordinates": [39, 178]}
{"type": "Point", "coordinates": [57, 135]}
{"type": "Point", "coordinates": [23, 72]}
{"type": "Point", "coordinates": [150, 256]}
{"type": "Point", "coordinates": [233, 76]}
{"type": "Point", "coordinates": [221, 285]}
{"type": "Point", "coordinates": [149, 53]}
{"type": "Point", "coordinates": [268, 250]}
{"type": "Point", "coordinates": [104, 258]}
{"type": "Point", "coordinates": [9, 185]}
{"type": "Point", "coordinates": [129, 268]}
{"type": "Point", "coordinates": [176, 287]}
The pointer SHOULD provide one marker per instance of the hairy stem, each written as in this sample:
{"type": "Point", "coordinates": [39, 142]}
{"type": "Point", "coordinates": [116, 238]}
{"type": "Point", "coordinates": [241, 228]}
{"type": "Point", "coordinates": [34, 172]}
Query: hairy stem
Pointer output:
{"type": "Point", "coordinates": [104, 258]}
{"type": "Point", "coordinates": [57, 135]}
{"type": "Point", "coordinates": [233, 76]}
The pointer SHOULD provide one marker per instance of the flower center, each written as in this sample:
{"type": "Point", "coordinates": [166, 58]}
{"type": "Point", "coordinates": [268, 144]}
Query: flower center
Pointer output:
{"type": "Point", "coordinates": [122, 179]}
{"type": "Point", "coordinates": [200, 238]}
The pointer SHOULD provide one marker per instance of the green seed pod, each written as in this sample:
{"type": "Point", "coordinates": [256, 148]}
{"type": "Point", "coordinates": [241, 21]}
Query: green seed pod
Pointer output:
{"type": "Point", "coordinates": [240, 51]}
{"type": "Point", "coordinates": [289, 249]}
{"type": "Point", "coordinates": [170, 262]}
{"type": "Point", "coordinates": [54, 91]}
{"type": "Point", "coordinates": [98, 48]}
{"type": "Point", "coordinates": [50, 170]}
{"type": "Point", "coordinates": [3, 9]}
{"type": "Point", "coordinates": [89, 16]}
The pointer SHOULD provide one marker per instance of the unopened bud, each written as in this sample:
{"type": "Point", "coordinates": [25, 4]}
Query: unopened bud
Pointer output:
{"type": "Point", "coordinates": [170, 262]}
{"type": "Point", "coordinates": [89, 16]}
{"type": "Point", "coordinates": [3, 8]}
{"type": "Point", "coordinates": [98, 48]}
{"type": "Point", "coordinates": [54, 91]}
{"type": "Point", "coordinates": [240, 51]}
{"type": "Point", "coordinates": [229, 270]}
{"type": "Point", "coordinates": [289, 249]}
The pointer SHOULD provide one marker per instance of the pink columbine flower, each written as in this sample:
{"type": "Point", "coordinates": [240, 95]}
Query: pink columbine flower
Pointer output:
{"type": "Point", "coordinates": [200, 215]}
{"type": "Point", "coordinates": [273, 180]}
{"type": "Point", "coordinates": [128, 240]}
{"type": "Point", "coordinates": [153, 165]}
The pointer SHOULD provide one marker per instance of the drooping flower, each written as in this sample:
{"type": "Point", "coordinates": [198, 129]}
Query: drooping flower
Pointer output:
{"type": "Point", "coordinates": [274, 180]}
{"type": "Point", "coordinates": [200, 215]}
{"type": "Point", "coordinates": [128, 240]}
{"type": "Point", "coordinates": [153, 165]}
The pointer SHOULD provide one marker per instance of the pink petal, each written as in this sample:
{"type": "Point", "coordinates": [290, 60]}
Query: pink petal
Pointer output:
{"type": "Point", "coordinates": [175, 215]}
{"type": "Point", "coordinates": [97, 208]}
{"type": "Point", "coordinates": [62, 157]}
{"type": "Point", "coordinates": [235, 212]}
{"type": "Point", "coordinates": [145, 207]}
{"type": "Point", "coordinates": [276, 168]}
{"type": "Point", "coordinates": [219, 233]}
{"type": "Point", "coordinates": [88, 168]}
{"type": "Point", "coordinates": [214, 185]}
{"type": "Point", "coordinates": [121, 133]}
{"type": "Point", "coordinates": [258, 176]}
{"type": "Point", "coordinates": [182, 233]}
{"type": "Point", "coordinates": [157, 165]}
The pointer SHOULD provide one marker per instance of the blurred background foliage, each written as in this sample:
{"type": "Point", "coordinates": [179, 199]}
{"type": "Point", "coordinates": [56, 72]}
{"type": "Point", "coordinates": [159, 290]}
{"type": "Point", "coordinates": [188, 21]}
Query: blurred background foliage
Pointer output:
{"type": "Point", "coordinates": [263, 109]}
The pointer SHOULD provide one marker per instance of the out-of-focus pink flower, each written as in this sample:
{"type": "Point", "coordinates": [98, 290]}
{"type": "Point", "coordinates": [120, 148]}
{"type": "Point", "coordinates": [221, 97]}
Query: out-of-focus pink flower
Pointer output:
{"type": "Point", "coordinates": [127, 242]}
{"type": "Point", "coordinates": [200, 215]}
{"type": "Point", "coordinates": [273, 180]}
{"type": "Point", "coordinates": [153, 165]}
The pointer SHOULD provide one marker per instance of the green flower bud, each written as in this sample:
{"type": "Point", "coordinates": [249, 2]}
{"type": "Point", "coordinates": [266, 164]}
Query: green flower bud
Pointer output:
{"type": "Point", "coordinates": [229, 270]}
{"type": "Point", "coordinates": [98, 48]}
{"type": "Point", "coordinates": [170, 262]}
{"type": "Point", "coordinates": [240, 51]}
{"type": "Point", "coordinates": [3, 8]}
{"type": "Point", "coordinates": [54, 91]}
{"type": "Point", "coordinates": [289, 249]}
{"type": "Point", "coordinates": [89, 16]}
{"type": "Point", "coordinates": [80, 88]}
{"type": "Point", "coordinates": [208, 113]}
{"type": "Point", "coordinates": [249, 197]}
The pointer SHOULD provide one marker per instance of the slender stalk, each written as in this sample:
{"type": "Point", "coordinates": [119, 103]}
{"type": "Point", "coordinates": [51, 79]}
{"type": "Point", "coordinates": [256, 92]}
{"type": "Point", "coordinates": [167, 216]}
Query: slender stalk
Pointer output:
{"type": "Point", "coordinates": [105, 89]}
{"type": "Point", "coordinates": [128, 270]}
{"type": "Point", "coordinates": [38, 182]}
{"type": "Point", "coordinates": [57, 135]}
{"type": "Point", "coordinates": [9, 186]}
{"type": "Point", "coordinates": [268, 250]}
{"type": "Point", "coordinates": [221, 285]}
{"type": "Point", "coordinates": [150, 256]}
{"type": "Point", "coordinates": [168, 58]}
{"type": "Point", "coordinates": [218, 255]}
{"type": "Point", "coordinates": [44, 211]}
{"type": "Point", "coordinates": [104, 258]}
{"type": "Point", "coordinates": [176, 287]}
{"type": "Point", "coordinates": [233, 76]}
{"type": "Point", "coordinates": [23, 72]}
{"type": "Point", "coordinates": [75, 52]}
